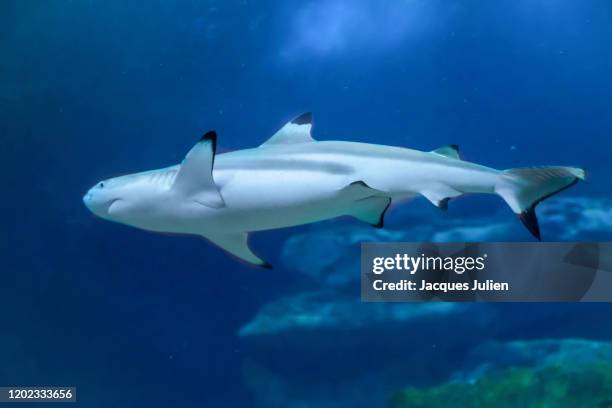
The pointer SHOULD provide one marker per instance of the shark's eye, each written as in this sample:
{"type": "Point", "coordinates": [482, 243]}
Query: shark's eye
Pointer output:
{"type": "Point", "coordinates": [101, 185]}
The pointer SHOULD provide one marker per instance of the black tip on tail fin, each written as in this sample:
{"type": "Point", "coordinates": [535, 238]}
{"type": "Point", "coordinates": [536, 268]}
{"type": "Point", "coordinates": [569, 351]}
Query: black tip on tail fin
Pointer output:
{"type": "Point", "coordinates": [529, 217]}
{"type": "Point", "coordinates": [524, 188]}
{"type": "Point", "coordinates": [530, 221]}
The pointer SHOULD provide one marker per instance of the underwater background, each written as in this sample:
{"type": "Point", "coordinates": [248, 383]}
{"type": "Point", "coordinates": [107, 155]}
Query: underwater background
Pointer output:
{"type": "Point", "coordinates": [91, 89]}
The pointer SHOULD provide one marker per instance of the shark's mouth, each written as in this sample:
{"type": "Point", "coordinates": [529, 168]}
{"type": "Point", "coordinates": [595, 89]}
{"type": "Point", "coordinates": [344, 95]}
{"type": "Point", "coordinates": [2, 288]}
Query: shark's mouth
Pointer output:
{"type": "Point", "coordinates": [111, 205]}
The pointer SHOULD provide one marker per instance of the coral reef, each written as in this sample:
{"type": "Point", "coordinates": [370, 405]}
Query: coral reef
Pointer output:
{"type": "Point", "coordinates": [587, 385]}
{"type": "Point", "coordinates": [540, 373]}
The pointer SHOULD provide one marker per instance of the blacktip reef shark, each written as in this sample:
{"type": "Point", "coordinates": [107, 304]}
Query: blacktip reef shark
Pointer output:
{"type": "Point", "coordinates": [291, 179]}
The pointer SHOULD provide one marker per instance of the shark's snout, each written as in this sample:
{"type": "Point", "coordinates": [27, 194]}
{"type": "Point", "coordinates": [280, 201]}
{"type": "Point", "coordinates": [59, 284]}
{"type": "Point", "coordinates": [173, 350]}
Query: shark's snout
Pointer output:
{"type": "Point", "coordinates": [97, 201]}
{"type": "Point", "coordinates": [87, 198]}
{"type": "Point", "coordinates": [94, 204]}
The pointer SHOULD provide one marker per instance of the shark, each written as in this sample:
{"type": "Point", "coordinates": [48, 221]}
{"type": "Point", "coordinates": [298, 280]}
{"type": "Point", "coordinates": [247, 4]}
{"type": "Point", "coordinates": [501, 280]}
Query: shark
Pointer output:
{"type": "Point", "coordinates": [293, 179]}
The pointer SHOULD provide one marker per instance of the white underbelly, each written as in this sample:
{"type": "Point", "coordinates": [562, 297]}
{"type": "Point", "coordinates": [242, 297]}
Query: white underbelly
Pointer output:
{"type": "Point", "coordinates": [272, 199]}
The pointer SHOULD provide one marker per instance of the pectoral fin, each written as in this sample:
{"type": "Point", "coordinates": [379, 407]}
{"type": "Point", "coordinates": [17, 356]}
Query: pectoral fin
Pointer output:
{"type": "Point", "coordinates": [195, 177]}
{"type": "Point", "coordinates": [237, 244]}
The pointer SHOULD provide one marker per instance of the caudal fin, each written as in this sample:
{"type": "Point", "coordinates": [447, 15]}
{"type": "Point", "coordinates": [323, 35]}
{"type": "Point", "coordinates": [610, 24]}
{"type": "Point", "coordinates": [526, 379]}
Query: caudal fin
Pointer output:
{"type": "Point", "coordinates": [524, 188]}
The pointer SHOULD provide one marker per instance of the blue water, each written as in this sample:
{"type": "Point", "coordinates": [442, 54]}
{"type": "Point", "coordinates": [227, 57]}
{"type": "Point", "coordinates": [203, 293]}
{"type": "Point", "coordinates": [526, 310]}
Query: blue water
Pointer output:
{"type": "Point", "coordinates": [93, 89]}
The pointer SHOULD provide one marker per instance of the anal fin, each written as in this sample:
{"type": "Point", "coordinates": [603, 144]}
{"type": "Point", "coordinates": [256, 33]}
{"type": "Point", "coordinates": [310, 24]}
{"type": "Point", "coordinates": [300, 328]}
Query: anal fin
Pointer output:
{"type": "Point", "coordinates": [237, 244]}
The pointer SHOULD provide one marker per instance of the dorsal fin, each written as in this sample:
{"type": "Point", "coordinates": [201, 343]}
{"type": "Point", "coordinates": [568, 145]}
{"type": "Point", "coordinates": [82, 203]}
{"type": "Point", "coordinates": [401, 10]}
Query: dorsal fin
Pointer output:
{"type": "Point", "coordinates": [451, 151]}
{"type": "Point", "coordinates": [195, 177]}
{"type": "Point", "coordinates": [296, 131]}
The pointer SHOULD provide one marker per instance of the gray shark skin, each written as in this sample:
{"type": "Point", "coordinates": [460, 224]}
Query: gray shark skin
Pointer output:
{"type": "Point", "coordinates": [292, 179]}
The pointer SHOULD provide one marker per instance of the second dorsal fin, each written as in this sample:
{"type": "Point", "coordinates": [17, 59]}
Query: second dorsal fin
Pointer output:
{"type": "Point", "coordinates": [296, 131]}
{"type": "Point", "coordinates": [451, 151]}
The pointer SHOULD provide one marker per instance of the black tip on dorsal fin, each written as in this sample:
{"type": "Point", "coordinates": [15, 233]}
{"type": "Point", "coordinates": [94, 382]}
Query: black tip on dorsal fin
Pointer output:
{"type": "Point", "coordinates": [266, 265]}
{"type": "Point", "coordinates": [455, 147]}
{"type": "Point", "coordinates": [211, 136]}
{"type": "Point", "coordinates": [530, 221]}
{"type": "Point", "coordinates": [303, 119]}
